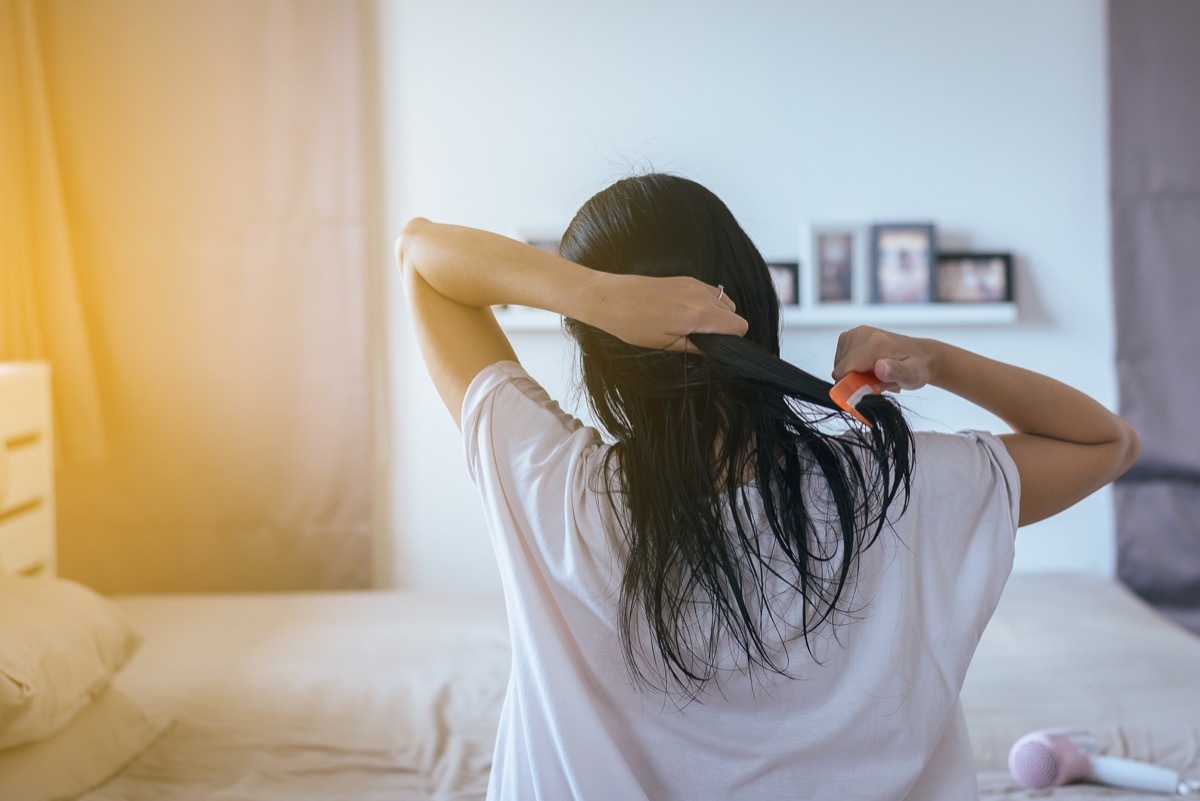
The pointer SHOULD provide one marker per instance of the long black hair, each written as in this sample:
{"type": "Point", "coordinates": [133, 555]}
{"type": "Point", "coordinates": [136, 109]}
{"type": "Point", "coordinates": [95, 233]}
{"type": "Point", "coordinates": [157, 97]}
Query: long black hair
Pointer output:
{"type": "Point", "coordinates": [697, 435]}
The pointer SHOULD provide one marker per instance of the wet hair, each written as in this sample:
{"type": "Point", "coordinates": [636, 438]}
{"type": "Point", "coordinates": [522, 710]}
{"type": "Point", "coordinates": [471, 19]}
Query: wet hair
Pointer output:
{"type": "Point", "coordinates": [696, 436]}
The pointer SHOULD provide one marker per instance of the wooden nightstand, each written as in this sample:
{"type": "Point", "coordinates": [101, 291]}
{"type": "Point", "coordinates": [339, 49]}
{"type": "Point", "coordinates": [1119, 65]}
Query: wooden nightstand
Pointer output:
{"type": "Point", "coordinates": [26, 470]}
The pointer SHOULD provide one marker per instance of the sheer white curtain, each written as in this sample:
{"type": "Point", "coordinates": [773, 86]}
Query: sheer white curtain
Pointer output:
{"type": "Point", "coordinates": [212, 164]}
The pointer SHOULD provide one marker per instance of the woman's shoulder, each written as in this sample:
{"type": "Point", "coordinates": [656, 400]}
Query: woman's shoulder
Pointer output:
{"type": "Point", "coordinates": [945, 459]}
{"type": "Point", "coordinates": [965, 467]}
{"type": "Point", "coordinates": [959, 446]}
{"type": "Point", "coordinates": [507, 387]}
{"type": "Point", "coordinates": [507, 411]}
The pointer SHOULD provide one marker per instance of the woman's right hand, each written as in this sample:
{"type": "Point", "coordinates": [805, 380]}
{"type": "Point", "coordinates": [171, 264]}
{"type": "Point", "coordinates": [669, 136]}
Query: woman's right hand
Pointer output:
{"type": "Point", "coordinates": [899, 362]}
{"type": "Point", "coordinates": [1065, 445]}
{"type": "Point", "coordinates": [659, 313]}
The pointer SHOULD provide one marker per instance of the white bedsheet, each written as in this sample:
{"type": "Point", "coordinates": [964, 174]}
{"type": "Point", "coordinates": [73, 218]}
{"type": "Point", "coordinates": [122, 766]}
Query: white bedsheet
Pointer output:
{"type": "Point", "coordinates": [1082, 651]}
{"type": "Point", "coordinates": [316, 696]}
{"type": "Point", "coordinates": [396, 696]}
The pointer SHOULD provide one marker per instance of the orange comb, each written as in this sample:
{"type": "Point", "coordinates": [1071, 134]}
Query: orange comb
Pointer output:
{"type": "Point", "coordinates": [853, 388]}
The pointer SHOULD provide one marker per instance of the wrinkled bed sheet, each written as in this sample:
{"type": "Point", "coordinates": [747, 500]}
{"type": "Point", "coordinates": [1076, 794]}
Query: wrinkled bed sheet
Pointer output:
{"type": "Point", "coordinates": [1083, 652]}
{"type": "Point", "coordinates": [350, 695]}
{"type": "Point", "coordinates": [388, 695]}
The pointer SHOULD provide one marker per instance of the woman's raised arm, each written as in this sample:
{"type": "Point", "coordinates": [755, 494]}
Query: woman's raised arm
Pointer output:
{"type": "Point", "coordinates": [1065, 444]}
{"type": "Point", "coordinates": [454, 275]}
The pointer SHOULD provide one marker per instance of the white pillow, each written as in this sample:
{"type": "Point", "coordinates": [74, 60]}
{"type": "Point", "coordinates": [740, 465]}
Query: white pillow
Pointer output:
{"type": "Point", "coordinates": [60, 645]}
{"type": "Point", "coordinates": [102, 739]}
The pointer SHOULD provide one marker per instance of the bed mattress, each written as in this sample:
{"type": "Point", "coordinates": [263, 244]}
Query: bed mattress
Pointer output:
{"type": "Point", "coordinates": [335, 695]}
{"type": "Point", "coordinates": [389, 695]}
{"type": "Point", "coordinates": [1082, 651]}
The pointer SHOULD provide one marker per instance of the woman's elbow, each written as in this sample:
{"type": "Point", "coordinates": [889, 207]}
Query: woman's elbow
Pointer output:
{"type": "Point", "coordinates": [406, 241]}
{"type": "Point", "coordinates": [1131, 447]}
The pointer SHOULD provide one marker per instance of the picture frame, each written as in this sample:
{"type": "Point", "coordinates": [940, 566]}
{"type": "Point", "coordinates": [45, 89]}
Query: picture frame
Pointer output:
{"type": "Point", "coordinates": [965, 277]}
{"type": "Point", "coordinates": [903, 261]}
{"type": "Point", "coordinates": [836, 255]}
{"type": "Point", "coordinates": [786, 277]}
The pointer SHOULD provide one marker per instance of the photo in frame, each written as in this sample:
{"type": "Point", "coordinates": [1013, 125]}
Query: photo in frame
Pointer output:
{"type": "Point", "coordinates": [786, 277]}
{"type": "Point", "coordinates": [836, 253]}
{"type": "Point", "coordinates": [903, 258]}
{"type": "Point", "coordinates": [974, 278]}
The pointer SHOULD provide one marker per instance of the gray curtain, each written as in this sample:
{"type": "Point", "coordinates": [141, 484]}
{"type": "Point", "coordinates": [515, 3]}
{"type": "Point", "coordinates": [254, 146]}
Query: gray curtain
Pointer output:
{"type": "Point", "coordinates": [1154, 80]}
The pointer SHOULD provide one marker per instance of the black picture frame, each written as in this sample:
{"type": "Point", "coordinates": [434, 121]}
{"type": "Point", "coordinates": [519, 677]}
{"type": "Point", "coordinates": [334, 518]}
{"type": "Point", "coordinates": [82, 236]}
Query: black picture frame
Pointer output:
{"type": "Point", "coordinates": [971, 277]}
{"type": "Point", "coordinates": [786, 277]}
{"type": "Point", "coordinates": [903, 261]}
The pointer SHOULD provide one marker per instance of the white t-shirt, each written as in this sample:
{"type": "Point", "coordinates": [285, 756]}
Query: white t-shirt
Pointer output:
{"type": "Point", "coordinates": [876, 716]}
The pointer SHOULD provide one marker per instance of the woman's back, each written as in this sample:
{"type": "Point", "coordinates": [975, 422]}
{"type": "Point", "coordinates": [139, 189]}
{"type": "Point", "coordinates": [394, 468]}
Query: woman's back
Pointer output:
{"type": "Point", "coordinates": [659, 640]}
{"type": "Point", "coordinates": [869, 703]}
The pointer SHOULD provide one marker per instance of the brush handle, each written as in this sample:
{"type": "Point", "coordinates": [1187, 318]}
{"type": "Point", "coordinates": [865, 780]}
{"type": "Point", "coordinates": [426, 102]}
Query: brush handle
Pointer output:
{"type": "Point", "coordinates": [853, 387]}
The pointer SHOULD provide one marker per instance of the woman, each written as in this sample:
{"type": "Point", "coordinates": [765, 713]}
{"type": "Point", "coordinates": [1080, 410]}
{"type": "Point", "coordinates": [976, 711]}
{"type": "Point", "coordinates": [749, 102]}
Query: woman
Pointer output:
{"type": "Point", "coordinates": [727, 599]}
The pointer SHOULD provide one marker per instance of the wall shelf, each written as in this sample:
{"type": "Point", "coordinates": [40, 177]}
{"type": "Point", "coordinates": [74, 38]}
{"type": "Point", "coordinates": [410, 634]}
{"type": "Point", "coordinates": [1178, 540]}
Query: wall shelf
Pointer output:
{"type": "Point", "coordinates": [900, 314]}
{"type": "Point", "coordinates": [912, 315]}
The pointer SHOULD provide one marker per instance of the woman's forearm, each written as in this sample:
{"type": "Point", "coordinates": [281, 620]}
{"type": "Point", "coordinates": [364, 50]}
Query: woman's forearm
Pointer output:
{"type": "Point", "coordinates": [479, 268]}
{"type": "Point", "coordinates": [482, 269]}
{"type": "Point", "coordinates": [1029, 402]}
{"type": "Point", "coordinates": [1065, 445]}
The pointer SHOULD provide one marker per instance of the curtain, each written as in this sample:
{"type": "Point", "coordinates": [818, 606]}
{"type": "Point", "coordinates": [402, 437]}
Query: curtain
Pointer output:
{"type": "Point", "coordinates": [40, 312]}
{"type": "Point", "coordinates": [1154, 80]}
{"type": "Point", "coordinates": [212, 163]}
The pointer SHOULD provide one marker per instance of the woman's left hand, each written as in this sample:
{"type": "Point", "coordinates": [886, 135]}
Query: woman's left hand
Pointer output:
{"type": "Point", "coordinates": [660, 313]}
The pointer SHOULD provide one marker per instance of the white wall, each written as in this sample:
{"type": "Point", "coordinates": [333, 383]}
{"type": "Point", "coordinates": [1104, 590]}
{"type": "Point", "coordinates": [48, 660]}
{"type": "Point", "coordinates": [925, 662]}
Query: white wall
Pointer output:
{"type": "Point", "coordinates": [988, 118]}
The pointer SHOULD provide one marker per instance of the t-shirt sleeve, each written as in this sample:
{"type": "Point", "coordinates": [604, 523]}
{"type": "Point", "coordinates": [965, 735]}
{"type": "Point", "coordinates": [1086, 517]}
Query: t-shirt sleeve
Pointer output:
{"type": "Point", "coordinates": [962, 522]}
{"type": "Point", "coordinates": [504, 396]}
{"type": "Point", "coordinates": [530, 461]}
{"type": "Point", "coordinates": [975, 459]}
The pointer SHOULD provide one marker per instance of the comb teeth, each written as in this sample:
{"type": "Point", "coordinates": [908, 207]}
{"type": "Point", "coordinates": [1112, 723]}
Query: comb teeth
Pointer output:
{"type": "Point", "coordinates": [853, 388]}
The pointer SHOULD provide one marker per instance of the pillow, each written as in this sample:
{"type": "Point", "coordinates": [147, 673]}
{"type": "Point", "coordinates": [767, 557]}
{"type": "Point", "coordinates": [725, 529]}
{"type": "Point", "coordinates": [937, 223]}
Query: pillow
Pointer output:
{"type": "Point", "coordinates": [102, 739]}
{"type": "Point", "coordinates": [60, 645]}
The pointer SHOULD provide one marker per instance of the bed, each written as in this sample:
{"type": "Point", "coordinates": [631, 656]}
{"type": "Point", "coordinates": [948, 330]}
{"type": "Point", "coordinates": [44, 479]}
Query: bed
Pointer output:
{"type": "Point", "coordinates": [395, 695]}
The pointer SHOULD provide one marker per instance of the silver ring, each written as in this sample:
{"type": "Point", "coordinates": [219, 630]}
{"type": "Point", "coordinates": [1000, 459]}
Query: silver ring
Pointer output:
{"type": "Point", "coordinates": [721, 293]}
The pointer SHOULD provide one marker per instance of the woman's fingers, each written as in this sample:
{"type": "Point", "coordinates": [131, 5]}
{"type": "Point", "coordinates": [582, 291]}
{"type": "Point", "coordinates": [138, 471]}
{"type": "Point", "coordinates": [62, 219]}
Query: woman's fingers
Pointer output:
{"type": "Point", "coordinates": [855, 353]}
{"type": "Point", "coordinates": [889, 373]}
{"type": "Point", "coordinates": [899, 362]}
{"type": "Point", "coordinates": [722, 298]}
{"type": "Point", "coordinates": [662, 312]}
{"type": "Point", "coordinates": [699, 309]}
